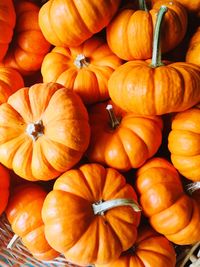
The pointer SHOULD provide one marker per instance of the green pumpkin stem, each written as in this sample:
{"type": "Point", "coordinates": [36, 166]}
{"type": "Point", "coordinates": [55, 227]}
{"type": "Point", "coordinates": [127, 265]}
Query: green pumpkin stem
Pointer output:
{"type": "Point", "coordinates": [102, 206]}
{"type": "Point", "coordinates": [143, 5]}
{"type": "Point", "coordinates": [156, 54]}
{"type": "Point", "coordinates": [115, 122]}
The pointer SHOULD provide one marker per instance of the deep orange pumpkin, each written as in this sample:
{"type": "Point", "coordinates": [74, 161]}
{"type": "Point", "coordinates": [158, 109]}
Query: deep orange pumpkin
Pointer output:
{"type": "Point", "coordinates": [193, 52]}
{"type": "Point", "coordinates": [24, 215]}
{"type": "Point", "coordinates": [122, 140]}
{"type": "Point", "coordinates": [44, 131]}
{"type": "Point", "coordinates": [170, 211]}
{"type": "Point", "coordinates": [28, 48]}
{"type": "Point", "coordinates": [4, 188]}
{"type": "Point", "coordinates": [85, 69]}
{"type": "Point", "coordinates": [69, 23]}
{"type": "Point", "coordinates": [88, 216]}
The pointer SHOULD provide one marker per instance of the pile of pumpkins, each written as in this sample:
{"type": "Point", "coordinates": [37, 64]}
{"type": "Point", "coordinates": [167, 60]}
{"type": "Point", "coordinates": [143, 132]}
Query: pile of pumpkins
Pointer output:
{"type": "Point", "coordinates": [100, 128]}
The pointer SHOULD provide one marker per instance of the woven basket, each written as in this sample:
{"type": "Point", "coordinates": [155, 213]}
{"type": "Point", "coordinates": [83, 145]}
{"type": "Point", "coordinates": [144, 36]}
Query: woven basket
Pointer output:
{"type": "Point", "coordinates": [187, 256]}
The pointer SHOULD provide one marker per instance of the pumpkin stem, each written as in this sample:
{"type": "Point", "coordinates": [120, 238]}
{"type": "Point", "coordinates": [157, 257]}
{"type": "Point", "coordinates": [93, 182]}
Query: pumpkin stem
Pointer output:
{"type": "Point", "coordinates": [13, 241]}
{"type": "Point", "coordinates": [35, 130]}
{"type": "Point", "coordinates": [114, 121]}
{"type": "Point", "coordinates": [100, 207]}
{"type": "Point", "coordinates": [156, 54]}
{"type": "Point", "coordinates": [81, 61]}
{"type": "Point", "coordinates": [192, 187]}
{"type": "Point", "coordinates": [143, 5]}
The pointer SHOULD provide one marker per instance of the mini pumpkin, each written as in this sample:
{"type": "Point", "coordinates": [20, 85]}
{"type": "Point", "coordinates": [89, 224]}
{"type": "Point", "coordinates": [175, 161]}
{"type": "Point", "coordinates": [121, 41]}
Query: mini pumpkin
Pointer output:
{"type": "Point", "coordinates": [152, 88]}
{"type": "Point", "coordinates": [150, 249]}
{"type": "Point", "coordinates": [100, 202]}
{"type": "Point", "coordinates": [4, 188]}
{"type": "Point", "coordinates": [193, 52]}
{"type": "Point", "coordinates": [24, 214]}
{"type": "Point", "coordinates": [184, 143]}
{"type": "Point", "coordinates": [170, 211]}
{"type": "Point", "coordinates": [28, 48]}
{"type": "Point", "coordinates": [122, 140]}
{"type": "Point", "coordinates": [85, 69]}
{"type": "Point", "coordinates": [44, 131]}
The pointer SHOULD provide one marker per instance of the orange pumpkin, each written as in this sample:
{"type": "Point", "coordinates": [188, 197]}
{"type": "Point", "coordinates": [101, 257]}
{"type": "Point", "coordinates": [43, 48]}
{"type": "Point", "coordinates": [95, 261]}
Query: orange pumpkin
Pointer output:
{"type": "Point", "coordinates": [4, 188]}
{"type": "Point", "coordinates": [29, 46]}
{"type": "Point", "coordinates": [152, 88]}
{"type": "Point", "coordinates": [70, 23]}
{"type": "Point", "coordinates": [130, 33]}
{"type": "Point", "coordinates": [92, 211]}
{"type": "Point", "coordinates": [193, 52]}
{"type": "Point", "coordinates": [184, 143]}
{"type": "Point", "coordinates": [170, 211]}
{"type": "Point", "coordinates": [10, 81]}
{"type": "Point", "coordinates": [85, 69]}
{"type": "Point", "coordinates": [122, 140]}
{"type": "Point", "coordinates": [44, 131]}
{"type": "Point", "coordinates": [24, 215]}
{"type": "Point", "coordinates": [7, 24]}
{"type": "Point", "coordinates": [150, 249]}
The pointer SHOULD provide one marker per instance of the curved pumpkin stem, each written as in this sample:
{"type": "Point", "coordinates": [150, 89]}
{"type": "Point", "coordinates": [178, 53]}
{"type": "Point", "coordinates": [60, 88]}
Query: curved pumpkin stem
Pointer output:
{"type": "Point", "coordinates": [156, 54]}
{"type": "Point", "coordinates": [100, 207]}
{"type": "Point", "coordinates": [35, 130]}
{"type": "Point", "coordinates": [143, 5]}
{"type": "Point", "coordinates": [115, 122]}
{"type": "Point", "coordinates": [81, 61]}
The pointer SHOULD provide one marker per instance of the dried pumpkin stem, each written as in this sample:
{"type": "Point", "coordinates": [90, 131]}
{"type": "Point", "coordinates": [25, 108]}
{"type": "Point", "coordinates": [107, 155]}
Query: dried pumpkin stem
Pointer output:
{"type": "Point", "coordinates": [143, 5]}
{"type": "Point", "coordinates": [100, 207]}
{"type": "Point", "coordinates": [156, 54]}
{"type": "Point", "coordinates": [35, 130]}
{"type": "Point", "coordinates": [115, 122]}
{"type": "Point", "coordinates": [81, 61]}
{"type": "Point", "coordinates": [13, 241]}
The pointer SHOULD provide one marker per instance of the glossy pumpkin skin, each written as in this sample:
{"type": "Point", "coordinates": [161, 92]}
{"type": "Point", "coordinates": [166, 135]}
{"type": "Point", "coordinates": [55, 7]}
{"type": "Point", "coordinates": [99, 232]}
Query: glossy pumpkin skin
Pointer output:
{"type": "Point", "coordinates": [84, 19]}
{"type": "Point", "coordinates": [184, 143]}
{"type": "Point", "coordinates": [24, 215]}
{"type": "Point", "coordinates": [4, 188]}
{"type": "Point", "coordinates": [128, 145]}
{"type": "Point", "coordinates": [7, 24]}
{"type": "Point", "coordinates": [44, 131]}
{"type": "Point", "coordinates": [193, 52]}
{"type": "Point", "coordinates": [130, 33]}
{"type": "Point", "coordinates": [170, 211]}
{"type": "Point", "coordinates": [69, 205]}
{"type": "Point", "coordinates": [10, 82]}
{"type": "Point", "coordinates": [29, 46]}
{"type": "Point", "coordinates": [137, 87]}
{"type": "Point", "coordinates": [151, 249]}
{"type": "Point", "coordinates": [87, 76]}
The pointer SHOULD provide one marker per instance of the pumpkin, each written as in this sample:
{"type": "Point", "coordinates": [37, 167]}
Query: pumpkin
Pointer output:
{"type": "Point", "coordinates": [184, 143]}
{"type": "Point", "coordinates": [10, 82]}
{"type": "Point", "coordinates": [170, 211]}
{"type": "Point", "coordinates": [4, 188]}
{"type": "Point", "coordinates": [150, 249]}
{"type": "Point", "coordinates": [122, 140]}
{"type": "Point", "coordinates": [24, 214]}
{"type": "Point", "coordinates": [44, 131]}
{"type": "Point", "coordinates": [130, 33]}
{"type": "Point", "coordinates": [29, 46]}
{"type": "Point", "coordinates": [70, 23]}
{"type": "Point", "coordinates": [85, 69]}
{"type": "Point", "coordinates": [7, 24]}
{"type": "Point", "coordinates": [103, 206]}
{"type": "Point", "coordinates": [151, 88]}
{"type": "Point", "coordinates": [193, 51]}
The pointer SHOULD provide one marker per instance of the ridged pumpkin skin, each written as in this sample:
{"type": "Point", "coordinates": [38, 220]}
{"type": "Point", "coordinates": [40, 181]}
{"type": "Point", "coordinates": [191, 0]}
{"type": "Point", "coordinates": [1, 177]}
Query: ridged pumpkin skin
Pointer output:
{"type": "Point", "coordinates": [24, 215]}
{"type": "Point", "coordinates": [10, 81]}
{"type": "Point", "coordinates": [44, 131]}
{"type": "Point", "coordinates": [86, 69]}
{"type": "Point", "coordinates": [193, 52]}
{"type": "Point", "coordinates": [129, 145]}
{"type": "Point", "coordinates": [170, 211]}
{"type": "Point", "coordinates": [137, 87]}
{"type": "Point", "coordinates": [130, 33]}
{"type": "Point", "coordinates": [4, 188]}
{"type": "Point", "coordinates": [184, 143]}
{"type": "Point", "coordinates": [7, 24]}
{"type": "Point", "coordinates": [69, 23]}
{"type": "Point", "coordinates": [29, 46]}
{"type": "Point", "coordinates": [150, 249]}
{"type": "Point", "coordinates": [84, 237]}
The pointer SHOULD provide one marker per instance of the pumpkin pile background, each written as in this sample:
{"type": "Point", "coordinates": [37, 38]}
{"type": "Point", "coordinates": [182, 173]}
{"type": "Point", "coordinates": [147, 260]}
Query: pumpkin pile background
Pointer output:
{"type": "Point", "coordinates": [94, 114]}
